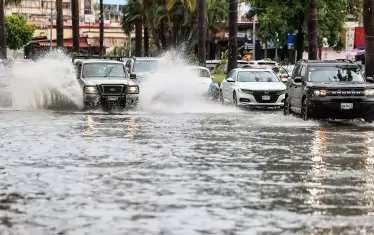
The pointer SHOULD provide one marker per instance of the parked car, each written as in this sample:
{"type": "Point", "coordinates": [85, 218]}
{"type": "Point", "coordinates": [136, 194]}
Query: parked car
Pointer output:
{"type": "Point", "coordinates": [204, 77]}
{"type": "Point", "coordinates": [332, 89]}
{"type": "Point", "coordinates": [105, 83]}
{"type": "Point", "coordinates": [253, 87]}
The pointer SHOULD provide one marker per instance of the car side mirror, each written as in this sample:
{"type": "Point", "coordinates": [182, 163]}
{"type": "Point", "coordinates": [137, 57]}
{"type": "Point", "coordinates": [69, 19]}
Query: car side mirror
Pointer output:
{"type": "Point", "coordinates": [298, 80]}
{"type": "Point", "coordinates": [369, 79]}
{"type": "Point", "coordinates": [133, 76]}
{"type": "Point", "coordinates": [230, 80]}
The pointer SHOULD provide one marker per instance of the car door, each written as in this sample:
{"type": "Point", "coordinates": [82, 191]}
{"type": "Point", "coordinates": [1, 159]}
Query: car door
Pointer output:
{"type": "Point", "coordinates": [225, 85]}
{"type": "Point", "coordinates": [292, 85]}
{"type": "Point", "coordinates": [298, 91]}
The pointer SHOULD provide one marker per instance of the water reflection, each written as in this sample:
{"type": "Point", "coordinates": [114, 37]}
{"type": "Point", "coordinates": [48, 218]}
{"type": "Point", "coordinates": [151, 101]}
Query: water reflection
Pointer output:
{"type": "Point", "coordinates": [352, 185]}
{"type": "Point", "coordinates": [89, 130]}
{"type": "Point", "coordinates": [111, 126]}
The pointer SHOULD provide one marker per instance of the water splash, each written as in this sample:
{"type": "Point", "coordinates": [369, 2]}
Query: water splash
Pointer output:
{"type": "Point", "coordinates": [176, 88]}
{"type": "Point", "coordinates": [49, 83]}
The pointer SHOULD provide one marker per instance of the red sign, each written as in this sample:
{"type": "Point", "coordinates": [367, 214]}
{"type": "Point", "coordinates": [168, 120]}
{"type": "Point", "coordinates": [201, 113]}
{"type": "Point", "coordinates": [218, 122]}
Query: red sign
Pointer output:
{"type": "Point", "coordinates": [359, 37]}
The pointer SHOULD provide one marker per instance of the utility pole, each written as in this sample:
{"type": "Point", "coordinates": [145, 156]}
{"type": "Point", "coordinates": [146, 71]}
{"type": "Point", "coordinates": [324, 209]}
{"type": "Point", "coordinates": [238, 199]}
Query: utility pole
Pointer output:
{"type": "Point", "coordinates": [312, 30]}
{"type": "Point", "coordinates": [254, 37]}
{"type": "Point", "coordinates": [75, 24]}
{"type": "Point", "coordinates": [3, 44]}
{"type": "Point", "coordinates": [101, 27]}
{"type": "Point", "coordinates": [369, 36]}
{"type": "Point", "coordinates": [201, 33]}
{"type": "Point", "coordinates": [59, 24]}
{"type": "Point", "coordinates": [233, 35]}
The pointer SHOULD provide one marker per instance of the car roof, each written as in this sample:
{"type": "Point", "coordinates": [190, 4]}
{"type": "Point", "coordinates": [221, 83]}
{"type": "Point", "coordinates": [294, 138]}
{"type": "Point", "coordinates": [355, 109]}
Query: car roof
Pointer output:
{"type": "Point", "coordinates": [197, 67]}
{"type": "Point", "coordinates": [90, 61]}
{"type": "Point", "coordinates": [253, 69]}
{"type": "Point", "coordinates": [148, 58]}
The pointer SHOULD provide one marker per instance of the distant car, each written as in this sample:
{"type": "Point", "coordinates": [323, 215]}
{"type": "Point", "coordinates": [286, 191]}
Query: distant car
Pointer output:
{"type": "Point", "coordinates": [5, 90]}
{"type": "Point", "coordinates": [253, 87]}
{"type": "Point", "coordinates": [283, 72]}
{"type": "Point", "coordinates": [105, 83]}
{"type": "Point", "coordinates": [205, 82]}
{"type": "Point", "coordinates": [142, 67]}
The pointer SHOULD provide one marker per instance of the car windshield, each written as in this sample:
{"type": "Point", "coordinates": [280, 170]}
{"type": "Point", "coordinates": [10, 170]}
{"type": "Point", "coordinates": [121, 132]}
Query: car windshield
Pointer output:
{"type": "Point", "coordinates": [257, 76]}
{"type": "Point", "coordinates": [103, 70]}
{"type": "Point", "coordinates": [335, 74]}
{"type": "Point", "coordinates": [145, 65]}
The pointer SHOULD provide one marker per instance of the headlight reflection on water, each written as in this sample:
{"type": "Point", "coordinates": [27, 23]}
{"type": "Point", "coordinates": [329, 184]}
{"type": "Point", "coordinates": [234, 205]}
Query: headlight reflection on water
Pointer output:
{"type": "Point", "coordinates": [318, 149]}
{"type": "Point", "coordinates": [90, 130]}
{"type": "Point", "coordinates": [133, 127]}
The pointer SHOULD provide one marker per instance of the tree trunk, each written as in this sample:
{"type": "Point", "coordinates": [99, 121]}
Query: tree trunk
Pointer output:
{"type": "Point", "coordinates": [59, 24]}
{"type": "Point", "coordinates": [162, 35]}
{"type": "Point", "coordinates": [312, 30]}
{"type": "Point", "coordinates": [146, 40]}
{"type": "Point", "coordinates": [101, 28]}
{"type": "Point", "coordinates": [146, 28]}
{"type": "Point", "coordinates": [233, 31]}
{"type": "Point", "coordinates": [369, 37]}
{"type": "Point", "coordinates": [3, 43]}
{"type": "Point", "coordinates": [75, 24]}
{"type": "Point", "coordinates": [300, 37]}
{"type": "Point", "coordinates": [201, 33]}
{"type": "Point", "coordinates": [138, 38]}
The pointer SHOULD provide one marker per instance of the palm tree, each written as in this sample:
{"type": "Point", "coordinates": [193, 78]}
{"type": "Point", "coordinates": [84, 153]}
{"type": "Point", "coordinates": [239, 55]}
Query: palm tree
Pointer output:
{"type": "Point", "coordinates": [132, 16]}
{"type": "Point", "coordinates": [312, 30]}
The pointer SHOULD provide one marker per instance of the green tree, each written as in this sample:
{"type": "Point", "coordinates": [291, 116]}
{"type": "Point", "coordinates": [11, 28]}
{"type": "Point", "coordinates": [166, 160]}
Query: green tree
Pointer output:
{"type": "Point", "coordinates": [19, 31]}
{"type": "Point", "coordinates": [283, 17]}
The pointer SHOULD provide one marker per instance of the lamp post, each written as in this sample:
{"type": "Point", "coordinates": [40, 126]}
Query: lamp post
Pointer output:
{"type": "Point", "coordinates": [51, 29]}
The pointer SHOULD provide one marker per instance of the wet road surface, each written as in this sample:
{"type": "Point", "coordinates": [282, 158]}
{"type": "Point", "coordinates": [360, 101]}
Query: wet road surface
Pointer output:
{"type": "Point", "coordinates": [251, 172]}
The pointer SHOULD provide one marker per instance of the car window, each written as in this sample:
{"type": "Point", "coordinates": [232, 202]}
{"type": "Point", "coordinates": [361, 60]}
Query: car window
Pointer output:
{"type": "Point", "coordinates": [335, 74]}
{"type": "Point", "coordinates": [103, 70]}
{"type": "Point", "coordinates": [229, 75]}
{"type": "Point", "coordinates": [303, 72]}
{"type": "Point", "coordinates": [257, 76]}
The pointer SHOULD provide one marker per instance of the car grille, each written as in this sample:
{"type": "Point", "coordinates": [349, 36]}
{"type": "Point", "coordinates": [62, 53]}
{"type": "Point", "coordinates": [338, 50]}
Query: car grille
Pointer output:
{"type": "Point", "coordinates": [346, 92]}
{"type": "Point", "coordinates": [112, 89]}
{"type": "Point", "coordinates": [273, 96]}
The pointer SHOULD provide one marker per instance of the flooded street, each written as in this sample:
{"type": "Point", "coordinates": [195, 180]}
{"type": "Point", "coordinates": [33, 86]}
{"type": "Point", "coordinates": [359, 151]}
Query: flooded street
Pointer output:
{"type": "Point", "coordinates": [229, 172]}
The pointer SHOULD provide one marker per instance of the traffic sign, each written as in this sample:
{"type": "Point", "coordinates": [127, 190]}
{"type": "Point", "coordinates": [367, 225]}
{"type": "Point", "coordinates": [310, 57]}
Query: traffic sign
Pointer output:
{"type": "Point", "coordinates": [291, 40]}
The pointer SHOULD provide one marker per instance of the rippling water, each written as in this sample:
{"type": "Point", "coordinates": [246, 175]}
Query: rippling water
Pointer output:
{"type": "Point", "coordinates": [249, 172]}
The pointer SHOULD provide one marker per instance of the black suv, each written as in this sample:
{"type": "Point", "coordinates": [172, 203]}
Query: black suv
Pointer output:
{"type": "Point", "coordinates": [141, 67]}
{"type": "Point", "coordinates": [332, 89]}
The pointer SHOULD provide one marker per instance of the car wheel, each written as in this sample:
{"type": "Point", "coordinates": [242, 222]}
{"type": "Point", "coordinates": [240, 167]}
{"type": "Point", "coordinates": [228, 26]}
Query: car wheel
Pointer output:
{"type": "Point", "coordinates": [369, 120]}
{"type": "Point", "coordinates": [287, 106]}
{"type": "Point", "coordinates": [305, 110]}
{"type": "Point", "coordinates": [235, 99]}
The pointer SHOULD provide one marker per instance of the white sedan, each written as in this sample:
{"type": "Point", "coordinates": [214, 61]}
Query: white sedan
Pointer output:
{"type": "Point", "coordinates": [253, 87]}
{"type": "Point", "coordinates": [202, 80]}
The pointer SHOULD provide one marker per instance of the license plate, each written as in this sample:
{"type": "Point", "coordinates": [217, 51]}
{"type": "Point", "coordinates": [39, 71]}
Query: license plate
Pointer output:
{"type": "Point", "coordinates": [346, 106]}
{"type": "Point", "coordinates": [265, 97]}
{"type": "Point", "coordinates": [112, 98]}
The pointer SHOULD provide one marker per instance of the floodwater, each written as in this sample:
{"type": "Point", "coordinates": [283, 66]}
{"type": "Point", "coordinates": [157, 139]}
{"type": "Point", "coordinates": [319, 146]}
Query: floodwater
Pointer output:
{"type": "Point", "coordinates": [196, 168]}
{"type": "Point", "coordinates": [204, 173]}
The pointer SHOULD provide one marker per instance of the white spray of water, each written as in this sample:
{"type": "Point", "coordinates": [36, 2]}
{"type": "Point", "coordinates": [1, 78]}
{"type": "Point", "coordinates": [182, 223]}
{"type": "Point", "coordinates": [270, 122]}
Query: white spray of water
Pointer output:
{"type": "Point", "coordinates": [47, 83]}
{"type": "Point", "coordinates": [176, 88]}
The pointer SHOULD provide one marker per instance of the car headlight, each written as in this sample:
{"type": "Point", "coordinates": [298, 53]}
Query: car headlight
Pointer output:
{"type": "Point", "coordinates": [245, 91]}
{"type": "Point", "coordinates": [320, 92]}
{"type": "Point", "coordinates": [91, 90]}
{"type": "Point", "coordinates": [369, 92]}
{"type": "Point", "coordinates": [133, 89]}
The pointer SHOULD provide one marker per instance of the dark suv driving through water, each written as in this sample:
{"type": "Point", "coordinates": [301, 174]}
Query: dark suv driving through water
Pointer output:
{"type": "Point", "coordinates": [332, 89]}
